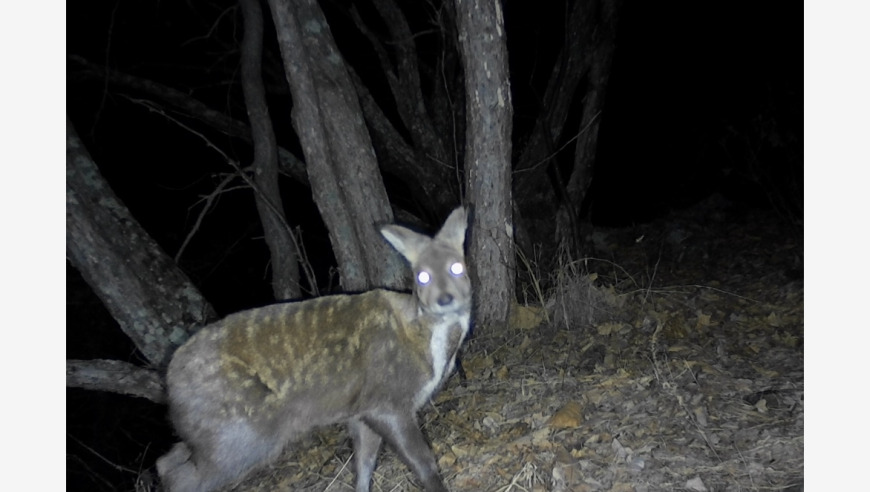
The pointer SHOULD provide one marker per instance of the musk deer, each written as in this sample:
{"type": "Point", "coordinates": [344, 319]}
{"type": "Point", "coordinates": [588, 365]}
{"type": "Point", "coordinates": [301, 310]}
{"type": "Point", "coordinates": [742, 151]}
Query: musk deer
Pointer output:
{"type": "Point", "coordinates": [243, 387]}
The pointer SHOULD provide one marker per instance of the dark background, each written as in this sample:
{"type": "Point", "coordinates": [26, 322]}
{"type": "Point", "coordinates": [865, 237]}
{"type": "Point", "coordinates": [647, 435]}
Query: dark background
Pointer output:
{"type": "Point", "coordinates": [696, 89]}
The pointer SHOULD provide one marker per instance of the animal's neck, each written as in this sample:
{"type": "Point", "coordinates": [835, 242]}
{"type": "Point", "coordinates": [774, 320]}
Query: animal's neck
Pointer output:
{"type": "Point", "coordinates": [445, 337]}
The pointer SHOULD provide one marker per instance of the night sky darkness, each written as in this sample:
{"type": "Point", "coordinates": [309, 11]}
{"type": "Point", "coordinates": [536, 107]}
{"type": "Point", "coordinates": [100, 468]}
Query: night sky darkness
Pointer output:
{"type": "Point", "coordinates": [687, 77]}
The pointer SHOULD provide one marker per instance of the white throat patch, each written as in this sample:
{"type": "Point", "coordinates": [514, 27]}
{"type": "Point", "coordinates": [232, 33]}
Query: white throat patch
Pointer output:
{"type": "Point", "coordinates": [442, 356]}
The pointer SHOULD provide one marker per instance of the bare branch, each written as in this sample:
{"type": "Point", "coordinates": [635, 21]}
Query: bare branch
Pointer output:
{"type": "Point", "coordinates": [209, 200]}
{"type": "Point", "coordinates": [309, 272]}
{"type": "Point", "coordinates": [184, 103]}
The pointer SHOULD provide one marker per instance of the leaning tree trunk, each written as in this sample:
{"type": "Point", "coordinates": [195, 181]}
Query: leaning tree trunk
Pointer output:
{"type": "Point", "coordinates": [487, 158]}
{"type": "Point", "coordinates": [152, 300]}
{"type": "Point", "coordinates": [279, 238]}
{"type": "Point", "coordinates": [342, 168]}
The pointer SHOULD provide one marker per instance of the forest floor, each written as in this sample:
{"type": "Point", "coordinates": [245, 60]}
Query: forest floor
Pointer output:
{"type": "Point", "coordinates": [670, 359]}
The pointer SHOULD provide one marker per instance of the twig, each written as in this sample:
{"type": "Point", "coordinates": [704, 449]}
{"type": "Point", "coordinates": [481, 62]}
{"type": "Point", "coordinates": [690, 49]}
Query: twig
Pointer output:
{"type": "Point", "coordinates": [208, 203]}
{"type": "Point", "coordinates": [103, 458]}
{"type": "Point", "coordinates": [651, 279]}
{"type": "Point", "coordinates": [556, 152]}
{"type": "Point", "coordinates": [303, 261]}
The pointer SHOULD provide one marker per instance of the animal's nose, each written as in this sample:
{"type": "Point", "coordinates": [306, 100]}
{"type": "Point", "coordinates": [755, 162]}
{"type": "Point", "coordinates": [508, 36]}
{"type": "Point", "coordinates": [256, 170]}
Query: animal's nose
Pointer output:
{"type": "Point", "coordinates": [445, 299]}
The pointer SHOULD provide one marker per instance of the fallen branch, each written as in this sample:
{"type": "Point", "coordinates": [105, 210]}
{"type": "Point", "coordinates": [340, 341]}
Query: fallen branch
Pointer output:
{"type": "Point", "coordinates": [117, 377]}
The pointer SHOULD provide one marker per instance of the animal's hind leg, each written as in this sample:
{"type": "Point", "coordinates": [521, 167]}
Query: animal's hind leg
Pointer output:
{"type": "Point", "coordinates": [224, 455]}
{"type": "Point", "coordinates": [184, 471]}
{"type": "Point", "coordinates": [180, 473]}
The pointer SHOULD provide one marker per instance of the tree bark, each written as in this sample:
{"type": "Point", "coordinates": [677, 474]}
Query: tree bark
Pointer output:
{"type": "Point", "coordinates": [117, 377]}
{"type": "Point", "coordinates": [282, 246]}
{"type": "Point", "coordinates": [154, 302]}
{"type": "Point", "coordinates": [342, 168]}
{"type": "Point", "coordinates": [487, 159]}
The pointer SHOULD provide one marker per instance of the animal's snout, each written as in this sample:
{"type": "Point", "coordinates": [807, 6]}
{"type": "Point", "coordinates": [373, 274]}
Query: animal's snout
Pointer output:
{"type": "Point", "coordinates": [445, 299]}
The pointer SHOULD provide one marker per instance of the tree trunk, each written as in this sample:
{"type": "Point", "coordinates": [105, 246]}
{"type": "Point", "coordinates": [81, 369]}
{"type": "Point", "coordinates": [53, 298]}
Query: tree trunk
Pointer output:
{"type": "Point", "coordinates": [279, 239]}
{"type": "Point", "coordinates": [602, 41]}
{"type": "Point", "coordinates": [154, 302]}
{"type": "Point", "coordinates": [342, 168]}
{"type": "Point", "coordinates": [427, 167]}
{"type": "Point", "coordinates": [487, 158]}
{"type": "Point", "coordinates": [589, 31]}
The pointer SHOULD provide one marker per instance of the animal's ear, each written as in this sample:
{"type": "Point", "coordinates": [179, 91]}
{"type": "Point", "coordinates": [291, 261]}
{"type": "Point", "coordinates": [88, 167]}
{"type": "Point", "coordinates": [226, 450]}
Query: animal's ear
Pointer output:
{"type": "Point", "coordinates": [453, 230]}
{"type": "Point", "coordinates": [406, 241]}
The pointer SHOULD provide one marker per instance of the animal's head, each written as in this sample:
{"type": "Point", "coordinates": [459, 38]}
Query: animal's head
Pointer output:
{"type": "Point", "coordinates": [441, 281]}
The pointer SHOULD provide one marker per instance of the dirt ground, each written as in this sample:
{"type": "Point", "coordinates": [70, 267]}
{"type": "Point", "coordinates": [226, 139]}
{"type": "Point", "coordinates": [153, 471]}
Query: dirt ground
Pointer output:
{"type": "Point", "coordinates": [671, 358]}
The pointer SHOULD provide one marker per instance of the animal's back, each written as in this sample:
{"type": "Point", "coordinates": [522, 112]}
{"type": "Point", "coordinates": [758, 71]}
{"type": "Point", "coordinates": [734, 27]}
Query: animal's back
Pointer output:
{"type": "Point", "coordinates": [291, 357]}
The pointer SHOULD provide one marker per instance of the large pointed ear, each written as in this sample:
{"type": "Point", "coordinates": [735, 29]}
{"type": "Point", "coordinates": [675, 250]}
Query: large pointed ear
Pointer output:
{"type": "Point", "coordinates": [406, 241]}
{"type": "Point", "coordinates": [453, 230]}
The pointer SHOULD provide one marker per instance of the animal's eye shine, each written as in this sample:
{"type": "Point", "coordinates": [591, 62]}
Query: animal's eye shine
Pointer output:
{"type": "Point", "coordinates": [457, 268]}
{"type": "Point", "coordinates": [423, 278]}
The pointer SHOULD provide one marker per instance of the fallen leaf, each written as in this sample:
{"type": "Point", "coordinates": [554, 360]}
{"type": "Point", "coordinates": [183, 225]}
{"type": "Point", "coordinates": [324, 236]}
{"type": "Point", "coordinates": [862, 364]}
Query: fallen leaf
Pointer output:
{"type": "Point", "coordinates": [606, 329]}
{"type": "Point", "coordinates": [703, 321]}
{"type": "Point", "coordinates": [696, 484]}
{"type": "Point", "coordinates": [567, 417]}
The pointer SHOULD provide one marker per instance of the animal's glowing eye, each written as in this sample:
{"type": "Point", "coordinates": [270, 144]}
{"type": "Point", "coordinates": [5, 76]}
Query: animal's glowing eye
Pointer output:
{"type": "Point", "coordinates": [423, 278]}
{"type": "Point", "coordinates": [457, 268]}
